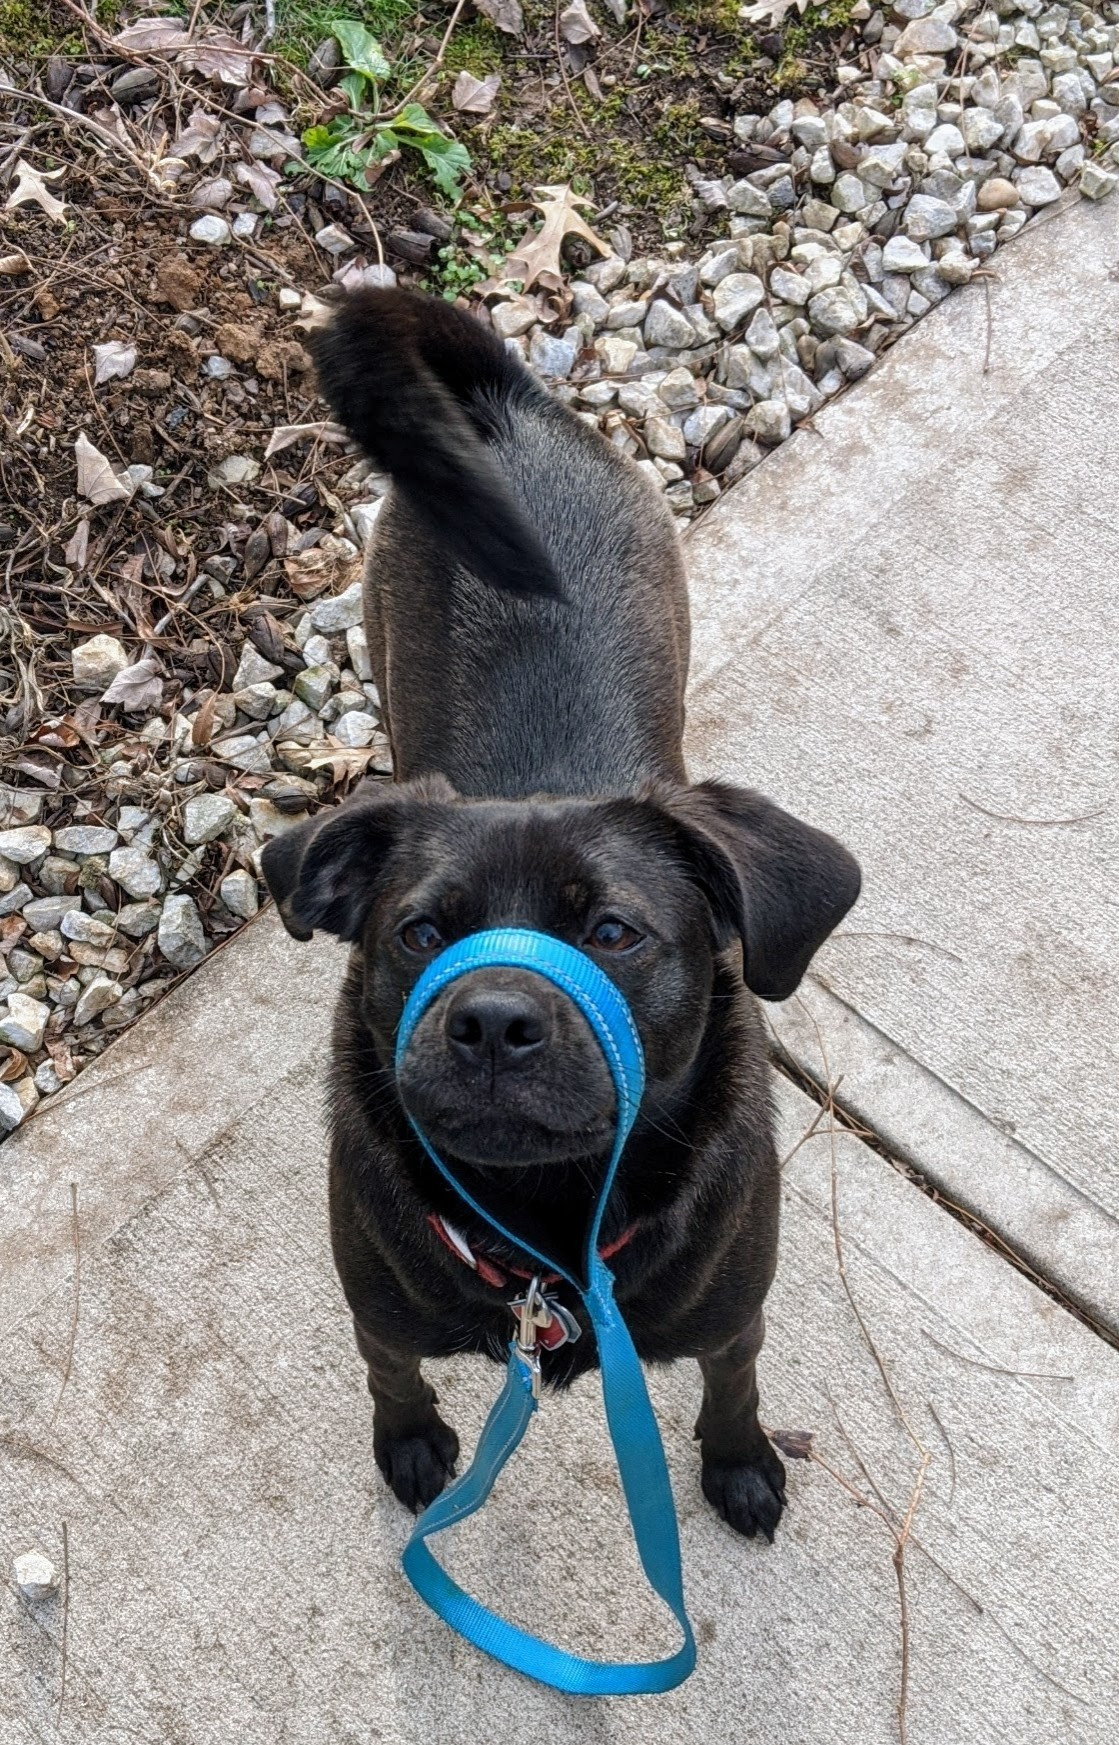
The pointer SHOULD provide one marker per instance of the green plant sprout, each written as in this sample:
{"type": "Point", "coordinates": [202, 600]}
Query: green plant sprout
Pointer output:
{"type": "Point", "coordinates": [346, 146]}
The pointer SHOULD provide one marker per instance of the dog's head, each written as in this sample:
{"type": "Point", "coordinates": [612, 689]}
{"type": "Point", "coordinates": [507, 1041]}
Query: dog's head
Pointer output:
{"type": "Point", "coordinates": [502, 1068]}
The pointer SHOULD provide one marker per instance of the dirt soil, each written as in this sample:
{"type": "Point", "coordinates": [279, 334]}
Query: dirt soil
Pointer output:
{"type": "Point", "coordinates": [193, 564]}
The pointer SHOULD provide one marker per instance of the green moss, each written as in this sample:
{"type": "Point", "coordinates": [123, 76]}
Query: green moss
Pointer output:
{"type": "Point", "coordinates": [25, 30]}
{"type": "Point", "coordinates": [475, 48]}
{"type": "Point", "coordinates": [720, 15]}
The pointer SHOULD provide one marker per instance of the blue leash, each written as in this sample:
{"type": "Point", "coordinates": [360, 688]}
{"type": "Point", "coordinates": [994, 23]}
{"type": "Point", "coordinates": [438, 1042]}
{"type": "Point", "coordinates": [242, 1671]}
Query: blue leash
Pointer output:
{"type": "Point", "coordinates": [629, 1415]}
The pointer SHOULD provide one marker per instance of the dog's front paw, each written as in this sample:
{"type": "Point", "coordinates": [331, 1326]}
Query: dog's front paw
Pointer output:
{"type": "Point", "coordinates": [416, 1468]}
{"type": "Point", "coordinates": [748, 1494]}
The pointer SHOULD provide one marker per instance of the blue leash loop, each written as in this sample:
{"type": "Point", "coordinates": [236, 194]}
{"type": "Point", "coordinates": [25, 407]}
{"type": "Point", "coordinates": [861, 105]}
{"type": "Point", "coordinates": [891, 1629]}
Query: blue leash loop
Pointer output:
{"type": "Point", "coordinates": [629, 1414]}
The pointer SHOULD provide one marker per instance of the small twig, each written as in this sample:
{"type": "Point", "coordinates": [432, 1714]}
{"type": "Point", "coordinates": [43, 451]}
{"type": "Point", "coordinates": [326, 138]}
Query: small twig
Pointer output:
{"type": "Point", "coordinates": [996, 1368]}
{"type": "Point", "coordinates": [75, 1308]}
{"type": "Point", "coordinates": [585, 130]}
{"type": "Point", "coordinates": [65, 1617]}
{"type": "Point", "coordinates": [905, 938]}
{"type": "Point", "coordinates": [1041, 823]}
{"type": "Point", "coordinates": [934, 1415]}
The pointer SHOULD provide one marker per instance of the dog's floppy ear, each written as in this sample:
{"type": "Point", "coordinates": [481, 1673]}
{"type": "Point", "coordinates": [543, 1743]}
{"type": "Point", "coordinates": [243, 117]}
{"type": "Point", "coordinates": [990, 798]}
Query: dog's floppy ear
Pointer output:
{"type": "Point", "coordinates": [324, 873]}
{"type": "Point", "coordinates": [779, 884]}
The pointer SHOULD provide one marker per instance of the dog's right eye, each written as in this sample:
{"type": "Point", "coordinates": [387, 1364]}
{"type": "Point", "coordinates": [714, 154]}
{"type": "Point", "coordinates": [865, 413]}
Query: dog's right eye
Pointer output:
{"type": "Point", "coordinates": [422, 937]}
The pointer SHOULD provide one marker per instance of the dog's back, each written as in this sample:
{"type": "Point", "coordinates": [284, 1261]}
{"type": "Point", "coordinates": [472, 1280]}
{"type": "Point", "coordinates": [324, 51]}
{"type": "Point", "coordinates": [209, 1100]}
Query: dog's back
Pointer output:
{"type": "Point", "coordinates": [525, 591]}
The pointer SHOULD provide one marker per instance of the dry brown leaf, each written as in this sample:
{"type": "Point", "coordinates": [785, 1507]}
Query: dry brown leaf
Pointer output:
{"type": "Point", "coordinates": [113, 360]}
{"type": "Point", "coordinates": [13, 1065]}
{"type": "Point", "coordinates": [310, 572]}
{"type": "Point", "coordinates": [202, 727]}
{"type": "Point", "coordinates": [13, 265]}
{"type": "Point", "coordinates": [97, 482]}
{"type": "Point", "coordinates": [199, 137]}
{"type": "Point", "coordinates": [342, 760]}
{"type": "Point", "coordinates": [220, 56]}
{"type": "Point", "coordinates": [284, 435]}
{"type": "Point", "coordinates": [538, 257]}
{"type": "Point", "coordinates": [261, 181]}
{"type": "Point", "coordinates": [77, 549]}
{"type": "Point", "coordinates": [771, 12]}
{"type": "Point", "coordinates": [152, 36]}
{"type": "Point", "coordinates": [506, 14]}
{"type": "Point", "coordinates": [475, 96]}
{"type": "Point", "coordinates": [57, 733]}
{"type": "Point", "coordinates": [139, 686]}
{"type": "Point", "coordinates": [31, 185]}
{"type": "Point", "coordinates": [576, 24]}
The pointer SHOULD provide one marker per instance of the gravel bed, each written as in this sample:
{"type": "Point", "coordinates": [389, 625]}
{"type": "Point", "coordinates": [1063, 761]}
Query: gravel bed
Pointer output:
{"type": "Point", "coordinates": [951, 127]}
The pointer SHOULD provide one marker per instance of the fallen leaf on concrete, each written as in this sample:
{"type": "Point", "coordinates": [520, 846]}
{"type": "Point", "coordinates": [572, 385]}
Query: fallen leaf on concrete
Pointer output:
{"type": "Point", "coordinates": [97, 482]}
{"type": "Point", "coordinates": [475, 96]}
{"type": "Point", "coordinates": [538, 257]}
{"type": "Point", "coordinates": [261, 181]}
{"type": "Point", "coordinates": [506, 14]}
{"type": "Point", "coordinates": [139, 686]}
{"type": "Point", "coordinates": [285, 435]}
{"type": "Point", "coordinates": [576, 24]}
{"type": "Point", "coordinates": [31, 185]}
{"type": "Point", "coordinates": [112, 360]}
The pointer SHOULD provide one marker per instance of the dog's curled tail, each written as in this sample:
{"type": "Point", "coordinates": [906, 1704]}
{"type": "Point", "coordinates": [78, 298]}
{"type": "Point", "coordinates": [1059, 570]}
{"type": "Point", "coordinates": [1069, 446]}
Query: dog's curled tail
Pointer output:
{"type": "Point", "coordinates": [421, 385]}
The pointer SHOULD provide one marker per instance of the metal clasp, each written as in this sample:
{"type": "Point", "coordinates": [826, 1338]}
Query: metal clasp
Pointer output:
{"type": "Point", "coordinates": [532, 1312]}
{"type": "Point", "coordinates": [539, 1314]}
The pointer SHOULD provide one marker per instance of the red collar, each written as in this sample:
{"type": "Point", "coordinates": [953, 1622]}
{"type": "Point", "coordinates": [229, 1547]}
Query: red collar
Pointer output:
{"type": "Point", "coordinates": [500, 1276]}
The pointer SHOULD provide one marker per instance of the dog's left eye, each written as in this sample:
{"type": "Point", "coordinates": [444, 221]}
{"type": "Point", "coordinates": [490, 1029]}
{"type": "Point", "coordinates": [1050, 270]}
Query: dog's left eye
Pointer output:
{"type": "Point", "coordinates": [610, 934]}
{"type": "Point", "coordinates": [422, 937]}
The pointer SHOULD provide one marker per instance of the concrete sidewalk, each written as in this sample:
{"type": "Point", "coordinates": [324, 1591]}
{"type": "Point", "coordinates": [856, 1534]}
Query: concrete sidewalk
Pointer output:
{"type": "Point", "coordinates": [906, 629]}
{"type": "Point", "coordinates": [188, 1405]}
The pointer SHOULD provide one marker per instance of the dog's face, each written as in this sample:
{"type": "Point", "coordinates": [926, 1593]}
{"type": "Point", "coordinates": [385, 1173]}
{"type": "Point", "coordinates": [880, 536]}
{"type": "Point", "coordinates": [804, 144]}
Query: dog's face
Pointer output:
{"type": "Point", "coordinates": [502, 1068]}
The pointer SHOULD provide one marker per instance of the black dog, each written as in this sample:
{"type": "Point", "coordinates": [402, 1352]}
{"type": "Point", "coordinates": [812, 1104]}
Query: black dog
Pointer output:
{"type": "Point", "coordinates": [527, 614]}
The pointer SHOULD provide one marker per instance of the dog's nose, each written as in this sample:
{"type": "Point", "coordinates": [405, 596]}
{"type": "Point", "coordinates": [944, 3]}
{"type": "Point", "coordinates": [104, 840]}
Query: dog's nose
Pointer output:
{"type": "Point", "coordinates": [499, 1025]}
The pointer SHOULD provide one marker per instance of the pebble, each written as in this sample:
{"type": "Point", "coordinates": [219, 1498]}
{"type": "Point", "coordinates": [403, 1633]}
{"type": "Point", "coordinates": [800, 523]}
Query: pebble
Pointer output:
{"type": "Point", "coordinates": [550, 355]}
{"type": "Point", "coordinates": [239, 894]}
{"type": "Point", "coordinates": [997, 195]}
{"type": "Point", "coordinates": [99, 994]}
{"type": "Point", "coordinates": [1096, 182]}
{"type": "Point", "coordinates": [342, 612]}
{"type": "Point", "coordinates": [1037, 186]}
{"type": "Point", "coordinates": [138, 919]}
{"type": "Point", "coordinates": [927, 217]}
{"type": "Point", "coordinates": [77, 924]}
{"type": "Point", "coordinates": [354, 728]}
{"type": "Point", "coordinates": [253, 669]}
{"type": "Point", "coordinates": [180, 936]}
{"type": "Point", "coordinates": [83, 839]}
{"type": "Point", "coordinates": [206, 816]}
{"type": "Point", "coordinates": [34, 1574]}
{"type": "Point", "coordinates": [25, 844]}
{"type": "Point", "coordinates": [314, 685]}
{"type": "Point", "coordinates": [669, 327]}
{"type": "Point", "coordinates": [736, 297]}
{"type": "Point", "coordinates": [210, 229]}
{"type": "Point", "coordinates": [96, 663]}
{"type": "Point", "coordinates": [23, 1024]}
{"type": "Point", "coordinates": [135, 871]}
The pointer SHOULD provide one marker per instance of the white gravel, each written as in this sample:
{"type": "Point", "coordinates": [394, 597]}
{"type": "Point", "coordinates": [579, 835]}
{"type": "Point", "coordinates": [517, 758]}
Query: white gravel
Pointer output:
{"type": "Point", "coordinates": [954, 125]}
